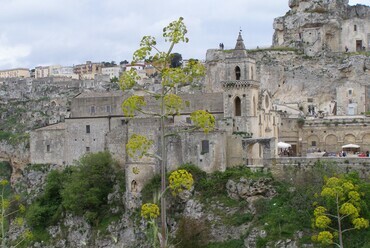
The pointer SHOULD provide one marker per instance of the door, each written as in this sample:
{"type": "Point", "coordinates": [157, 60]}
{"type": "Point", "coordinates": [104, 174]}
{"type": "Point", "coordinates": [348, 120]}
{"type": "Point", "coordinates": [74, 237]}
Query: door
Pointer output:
{"type": "Point", "coordinates": [352, 109]}
{"type": "Point", "coordinates": [358, 45]}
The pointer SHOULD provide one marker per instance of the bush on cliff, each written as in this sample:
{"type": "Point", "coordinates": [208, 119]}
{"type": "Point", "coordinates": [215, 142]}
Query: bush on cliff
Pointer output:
{"type": "Point", "coordinates": [86, 190]}
{"type": "Point", "coordinates": [81, 189]}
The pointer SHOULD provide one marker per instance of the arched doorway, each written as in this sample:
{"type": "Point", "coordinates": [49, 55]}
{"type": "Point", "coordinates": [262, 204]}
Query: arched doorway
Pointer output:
{"type": "Point", "coordinates": [331, 142]}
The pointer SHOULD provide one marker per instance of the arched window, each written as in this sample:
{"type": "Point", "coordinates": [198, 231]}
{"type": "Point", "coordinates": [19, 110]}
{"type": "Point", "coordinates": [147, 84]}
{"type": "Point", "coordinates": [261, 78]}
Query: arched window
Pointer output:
{"type": "Point", "coordinates": [252, 73]}
{"type": "Point", "coordinates": [238, 109]}
{"type": "Point", "coordinates": [237, 73]}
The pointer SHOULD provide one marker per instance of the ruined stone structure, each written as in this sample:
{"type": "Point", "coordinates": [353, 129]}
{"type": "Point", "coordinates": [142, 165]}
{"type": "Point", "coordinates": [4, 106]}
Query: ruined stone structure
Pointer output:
{"type": "Point", "coordinates": [246, 129]}
{"type": "Point", "coordinates": [324, 25]}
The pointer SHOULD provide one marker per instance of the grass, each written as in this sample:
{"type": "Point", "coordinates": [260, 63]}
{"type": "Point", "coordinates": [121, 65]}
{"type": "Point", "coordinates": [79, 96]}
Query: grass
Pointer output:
{"type": "Point", "coordinates": [14, 138]}
{"type": "Point", "coordinates": [282, 216]}
{"type": "Point", "coordinates": [106, 221]}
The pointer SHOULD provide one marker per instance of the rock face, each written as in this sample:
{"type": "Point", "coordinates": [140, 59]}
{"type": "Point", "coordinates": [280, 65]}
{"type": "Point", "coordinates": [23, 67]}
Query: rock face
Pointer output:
{"type": "Point", "coordinates": [250, 190]}
{"type": "Point", "coordinates": [247, 188]}
{"type": "Point", "coordinates": [295, 78]}
{"type": "Point", "coordinates": [316, 26]}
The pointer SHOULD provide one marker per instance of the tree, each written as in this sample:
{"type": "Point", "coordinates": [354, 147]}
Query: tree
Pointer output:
{"type": "Point", "coordinates": [47, 208]}
{"type": "Point", "coordinates": [176, 60]}
{"type": "Point", "coordinates": [340, 210]}
{"type": "Point", "coordinates": [86, 191]}
{"type": "Point", "coordinates": [169, 103]}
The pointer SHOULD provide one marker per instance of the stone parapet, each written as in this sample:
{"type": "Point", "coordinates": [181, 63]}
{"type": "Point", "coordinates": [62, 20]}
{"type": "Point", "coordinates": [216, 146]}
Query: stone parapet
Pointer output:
{"type": "Point", "coordinates": [293, 168]}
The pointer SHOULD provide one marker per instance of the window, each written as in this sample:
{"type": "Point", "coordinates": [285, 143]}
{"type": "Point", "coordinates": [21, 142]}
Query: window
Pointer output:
{"type": "Point", "coordinates": [109, 109]}
{"type": "Point", "coordinates": [47, 148]}
{"type": "Point", "coordinates": [349, 92]}
{"type": "Point", "coordinates": [355, 28]}
{"type": "Point", "coordinates": [188, 120]}
{"type": "Point", "coordinates": [133, 186]}
{"type": "Point", "coordinates": [254, 107]}
{"type": "Point", "coordinates": [237, 73]}
{"type": "Point", "coordinates": [313, 143]}
{"type": "Point", "coordinates": [205, 146]}
{"type": "Point", "coordinates": [87, 149]}
{"type": "Point", "coordinates": [238, 110]}
{"type": "Point", "coordinates": [92, 109]}
{"type": "Point", "coordinates": [87, 128]}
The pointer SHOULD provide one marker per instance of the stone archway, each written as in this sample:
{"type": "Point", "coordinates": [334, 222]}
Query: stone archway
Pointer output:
{"type": "Point", "coordinates": [366, 140]}
{"type": "Point", "coordinates": [349, 139]}
{"type": "Point", "coordinates": [331, 143]}
{"type": "Point", "coordinates": [259, 152]}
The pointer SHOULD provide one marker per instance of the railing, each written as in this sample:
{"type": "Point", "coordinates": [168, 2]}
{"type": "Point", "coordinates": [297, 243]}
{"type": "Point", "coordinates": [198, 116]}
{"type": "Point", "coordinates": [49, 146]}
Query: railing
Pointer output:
{"type": "Point", "coordinates": [239, 83]}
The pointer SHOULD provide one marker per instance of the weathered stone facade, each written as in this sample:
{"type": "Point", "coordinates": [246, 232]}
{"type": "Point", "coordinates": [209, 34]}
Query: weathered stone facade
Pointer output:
{"type": "Point", "coordinates": [330, 25]}
{"type": "Point", "coordinates": [246, 125]}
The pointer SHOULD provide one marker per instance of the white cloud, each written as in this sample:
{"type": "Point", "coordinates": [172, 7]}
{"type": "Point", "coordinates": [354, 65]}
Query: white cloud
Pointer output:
{"type": "Point", "coordinates": [68, 32]}
{"type": "Point", "coordinates": [10, 55]}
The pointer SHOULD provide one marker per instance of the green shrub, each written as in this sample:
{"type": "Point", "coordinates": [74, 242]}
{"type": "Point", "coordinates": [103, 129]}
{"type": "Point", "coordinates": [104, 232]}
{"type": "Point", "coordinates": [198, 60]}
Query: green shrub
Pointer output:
{"type": "Point", "coordinates": [86, 190]}
{"type": "Point", "coordinates": [239, 218]}
{"type": "Point", "coordinates": [5, 135]}
{"type": "Point", "coordinates": [151, 189]}
{"type": "Point", "coordinates": [261, 242]}
{"type": "Point", "coordinates": [5, 170]}
{"type": "Point", "coordinates": [282, 215]}
{"type": "Point", "coordinates": [47, 209]}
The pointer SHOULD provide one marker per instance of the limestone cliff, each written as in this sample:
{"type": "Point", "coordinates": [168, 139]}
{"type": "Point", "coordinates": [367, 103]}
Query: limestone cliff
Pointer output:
{"type": "Point", "coordinates": [293, 77]}
{"type": "Point", "coordinates": [316, 26]}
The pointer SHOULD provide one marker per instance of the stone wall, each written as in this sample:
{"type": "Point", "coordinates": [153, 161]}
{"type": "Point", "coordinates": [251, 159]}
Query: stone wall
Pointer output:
{"type": "Point", "coordinates": [351, 99]}
{"type": "Point", "coordinates": [295, 169]}
{"type": "Point", "coordinates": [81, 139]}
{"type": "Point", "coordinates": [95, 104]}
{"type": "Point", "coordinates": [331, 134]}
{"type": "Point", "coordinates": [47, 145]}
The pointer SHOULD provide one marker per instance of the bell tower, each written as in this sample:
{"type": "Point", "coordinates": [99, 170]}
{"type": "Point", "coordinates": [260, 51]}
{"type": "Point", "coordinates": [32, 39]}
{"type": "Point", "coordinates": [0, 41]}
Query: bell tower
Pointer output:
{"type": "Point", "coordinates": [240, 87]}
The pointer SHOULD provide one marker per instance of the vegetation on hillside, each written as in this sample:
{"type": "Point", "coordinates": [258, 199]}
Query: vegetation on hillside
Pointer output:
{"type": "Point", "coordinates": [81, 190]}
{"type": "Point", "coordinates": [287, 215]}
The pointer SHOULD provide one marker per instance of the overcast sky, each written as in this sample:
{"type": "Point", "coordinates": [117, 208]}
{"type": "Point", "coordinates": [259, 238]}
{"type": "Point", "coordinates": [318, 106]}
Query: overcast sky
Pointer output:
{"type": "Point", "coordinates": [68, 32]}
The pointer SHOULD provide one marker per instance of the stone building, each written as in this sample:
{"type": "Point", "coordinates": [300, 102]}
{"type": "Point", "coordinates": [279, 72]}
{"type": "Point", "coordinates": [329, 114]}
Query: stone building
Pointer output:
{"type": "Point", "coordinates": [246, 125]}
{"type": "Point", "coordinates": [330, 134]}
{"type": "Point", "coordinates": [329, 25]}
{"type": "Point", "coordinates": [55, 71]}
{"type": "Point", "coordinates": [351, 99]}
{"type": "Point", "coordinates": [87, 70]}
{"type": "Point", "coordinates": [113, 72]}
{"type": "Point", "coordinates": [15, 73]}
